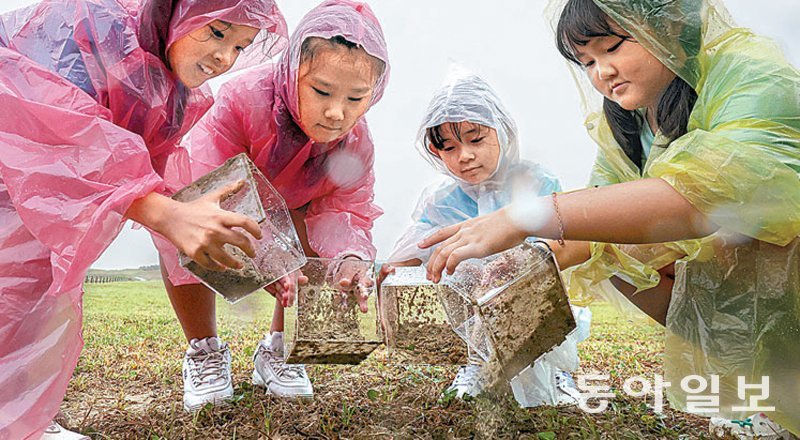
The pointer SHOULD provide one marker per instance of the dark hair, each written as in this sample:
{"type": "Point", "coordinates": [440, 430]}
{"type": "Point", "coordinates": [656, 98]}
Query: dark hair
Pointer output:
{"type": "Point", "coordinates": [311, 45]}
{"type": "Point", "coordinates": [154, 18]}
{"type": "Point", "coordinates": [433, 135]}
{"type": "Point", "coordinates": [583, 19]}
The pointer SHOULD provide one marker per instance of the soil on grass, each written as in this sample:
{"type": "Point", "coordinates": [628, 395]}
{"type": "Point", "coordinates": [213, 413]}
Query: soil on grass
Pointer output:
{"type": "Point", "coordinates": [128, 386]}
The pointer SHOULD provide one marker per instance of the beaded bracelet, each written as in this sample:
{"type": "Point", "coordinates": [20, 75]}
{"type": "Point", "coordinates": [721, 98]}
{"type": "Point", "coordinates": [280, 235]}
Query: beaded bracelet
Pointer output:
{"type": "Point", "coordinates": [560, 221]}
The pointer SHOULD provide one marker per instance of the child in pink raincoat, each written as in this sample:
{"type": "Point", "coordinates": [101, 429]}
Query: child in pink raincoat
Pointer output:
{"type": "Point", "coordinates": [94, 96]}
{"type": "Point", "coordinates": [301, 122]}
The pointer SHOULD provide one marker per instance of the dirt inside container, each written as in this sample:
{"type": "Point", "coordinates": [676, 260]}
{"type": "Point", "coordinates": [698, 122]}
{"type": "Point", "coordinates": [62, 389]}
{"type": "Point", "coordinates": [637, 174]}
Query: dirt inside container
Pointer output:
{"type": "Point", "coordinates": [328, 329]}
{"type": "Point", "coordinates": [233, 284]}
{"type": "Point", "coordinates": [527, 319]}
{"type": "Point", "coordinates": [420, 332]}
{"type": "Point", "coordinates": [276, 254]}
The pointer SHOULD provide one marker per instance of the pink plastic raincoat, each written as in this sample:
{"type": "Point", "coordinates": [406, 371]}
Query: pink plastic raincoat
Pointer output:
{"type": "Point", "coordinates": [257, 113]}
{"type": "Point", "coordinates": [89, 112]}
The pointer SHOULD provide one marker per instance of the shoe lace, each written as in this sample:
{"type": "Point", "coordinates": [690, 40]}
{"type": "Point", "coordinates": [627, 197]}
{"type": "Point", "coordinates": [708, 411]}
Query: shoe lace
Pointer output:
{"type": "Point", "coordinates": [207, 367]}
{"type": "Point", "coordinates": [467, 376]}
{"type": "Point", "coordinates": [280, 367]}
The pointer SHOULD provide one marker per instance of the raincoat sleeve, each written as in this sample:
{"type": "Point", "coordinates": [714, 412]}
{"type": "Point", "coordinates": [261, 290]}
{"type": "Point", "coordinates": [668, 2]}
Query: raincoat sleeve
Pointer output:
{"type": "Point", "coordinates": [340, 223]}
{"type": "Point", "coordinates": [424, 223]}
{"type": "Point", "coordinates": [637, 265]}
{"type": "Point", "coordinates": [740, 160]}
{"type": "Point", "coordinates": [71, 173]}
{"type": "Point", "coordinates": [540, 178]}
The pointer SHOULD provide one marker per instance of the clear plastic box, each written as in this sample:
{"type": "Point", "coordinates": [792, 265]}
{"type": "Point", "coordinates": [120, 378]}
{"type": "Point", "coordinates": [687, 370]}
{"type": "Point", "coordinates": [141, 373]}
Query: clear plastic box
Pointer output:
{"type": "Point", "coordinates": [326, 325]}
{"type": "Point", "coordinates": [415, 324]}
{"type": "Point", "coordinates": [519, 307]}
{"type": "Point", "coordinates": [279, 251]}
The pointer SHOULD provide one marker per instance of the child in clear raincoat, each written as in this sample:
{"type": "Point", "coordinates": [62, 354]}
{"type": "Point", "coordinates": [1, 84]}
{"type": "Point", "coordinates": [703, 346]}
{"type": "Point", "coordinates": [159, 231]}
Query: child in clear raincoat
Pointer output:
{"type": "Point", "coordinates": [301, 122]}
{"type": "Point", "coordinates": [469, 136]}
{"type": "Point", "coordinates": [95, 96]}
{"type": "Point", "coordinates": [698, 186]}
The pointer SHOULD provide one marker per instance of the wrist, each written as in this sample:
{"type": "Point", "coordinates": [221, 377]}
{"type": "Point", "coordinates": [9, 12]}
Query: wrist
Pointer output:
{"type": "Point", "coordinates": [529, 216]}
{"type": "Point", "coordinates": [151, 211]}
{"type": "Point", "coordinates": [518, 229]}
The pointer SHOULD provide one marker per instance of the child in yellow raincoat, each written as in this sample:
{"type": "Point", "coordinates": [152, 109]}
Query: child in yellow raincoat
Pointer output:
{"type": "Point", "coordinates": [699, 150]}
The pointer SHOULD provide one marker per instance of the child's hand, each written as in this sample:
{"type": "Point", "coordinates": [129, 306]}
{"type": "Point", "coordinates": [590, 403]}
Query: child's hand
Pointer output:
{"type": "Point", "coordinates": [475, 238]}
{"type": "Point", "coordinates": [285, 289]}
{"type": "Point", "coordinates": [386, 270]}
{"type": "Point", "coordinates": [351, 276]}
{"type": "Point", "coordinates": [201, 228]}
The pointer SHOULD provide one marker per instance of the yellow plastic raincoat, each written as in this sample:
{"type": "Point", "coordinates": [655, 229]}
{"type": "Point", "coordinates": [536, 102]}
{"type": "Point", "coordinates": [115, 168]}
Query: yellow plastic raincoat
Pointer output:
{"type": "Point", "coordinates": [735, 307]}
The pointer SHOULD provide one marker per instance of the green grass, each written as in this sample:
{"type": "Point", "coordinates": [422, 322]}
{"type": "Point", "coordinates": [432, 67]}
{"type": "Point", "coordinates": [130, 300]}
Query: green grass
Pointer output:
{"type": "Point", "coordinates": [128, 384]}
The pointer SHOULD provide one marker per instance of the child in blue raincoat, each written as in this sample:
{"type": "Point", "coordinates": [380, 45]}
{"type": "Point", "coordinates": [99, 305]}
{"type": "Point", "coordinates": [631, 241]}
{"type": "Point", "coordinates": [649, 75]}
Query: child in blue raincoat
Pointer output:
{"type": "Point", "coordinates": [470, 137]}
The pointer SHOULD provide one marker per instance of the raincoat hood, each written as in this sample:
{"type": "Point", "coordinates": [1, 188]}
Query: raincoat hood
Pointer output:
{"type": "Point", "coordinates": [673, 31]}
{"type": "Point", "coordinates": [188, 15]}
{"type": "Point", "coordinates": [116, 53]}
{"type": "Point", "coordinates": [466, 97]}
{"type": "Point", "coordinates": [355, 22]}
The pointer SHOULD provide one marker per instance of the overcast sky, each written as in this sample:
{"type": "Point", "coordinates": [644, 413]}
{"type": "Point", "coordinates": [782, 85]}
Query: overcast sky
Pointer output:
{"type": "Point", "coordinates": [512, 48]}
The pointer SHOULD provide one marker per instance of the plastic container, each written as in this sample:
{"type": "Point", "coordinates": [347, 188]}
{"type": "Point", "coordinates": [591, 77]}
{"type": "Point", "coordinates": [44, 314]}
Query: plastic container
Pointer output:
{"type": "Point", "coordinates": [279, 251]}
{"type": "Point", "coordinates": [326, 325]}
{"type": "Point", "coordinates": [519, 307]}
{"type": "Point", "coordinates": [415, 325]}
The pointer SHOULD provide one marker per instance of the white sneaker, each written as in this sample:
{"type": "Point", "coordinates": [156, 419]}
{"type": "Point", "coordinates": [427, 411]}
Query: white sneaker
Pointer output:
{"type": "Point", "coordinates": [58, 432]}
{"type": "Point", "coordinates": [206, 373]}
{"type": "Point", "coordinates": [568, 393]}
{"type": "Point", "coordinates": [467, 381]}
{"type": "Point", "coordinates": [757, 426]}
{"type": "Point", "coordinates": [279, 378]}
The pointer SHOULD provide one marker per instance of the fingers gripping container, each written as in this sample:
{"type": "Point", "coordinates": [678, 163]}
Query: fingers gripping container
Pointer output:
{"type": "Point", "coordinates": [279, 251]}
{"type": "Point", "coordinates": [414, 322]}
{"type": "Point", "coordinates": [326, 325]}
{"type": "Point", "coordinates": [511, 308]}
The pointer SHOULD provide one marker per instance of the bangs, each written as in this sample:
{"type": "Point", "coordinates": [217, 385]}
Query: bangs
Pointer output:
{"type": "Point", "coordinates": [266, 44]}
{"type": "Point", "coordinates": [433, 135]}
{"type": "Point", "coordinates": [581, 20]}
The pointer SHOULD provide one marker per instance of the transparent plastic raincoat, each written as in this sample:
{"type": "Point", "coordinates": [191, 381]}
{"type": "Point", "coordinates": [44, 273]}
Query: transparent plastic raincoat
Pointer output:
{"type": "Point", "coordinates": [89, 114]}
{"type": "Point", "coordinates": [735, 309]}
{"type": "Point", "coordinates": [467, 97]}
{"type": "Point", "coordinates": [258, 113]}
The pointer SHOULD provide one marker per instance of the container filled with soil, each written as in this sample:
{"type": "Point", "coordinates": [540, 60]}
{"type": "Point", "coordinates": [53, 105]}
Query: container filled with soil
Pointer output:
{"type": "Point", "coordinates": [521, 309]}
{"type": "Point", "coordinates": [415, 324]}
{"type": "Point", "coordinates": [326, 325]}
{"type": "Point", "coordinates": [278, 253]}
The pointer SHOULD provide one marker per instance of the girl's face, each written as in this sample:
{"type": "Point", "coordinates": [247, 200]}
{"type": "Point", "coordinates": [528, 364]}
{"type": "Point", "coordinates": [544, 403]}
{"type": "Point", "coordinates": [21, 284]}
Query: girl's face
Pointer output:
{"type": "Point", "coordinates": [334, 90]}
{"type": "Point", "coordinates": [474, 157]}
{"type": "Point", "coordinates": [209, 51]}
{"type": "Point", "coordinates": [624, 71]}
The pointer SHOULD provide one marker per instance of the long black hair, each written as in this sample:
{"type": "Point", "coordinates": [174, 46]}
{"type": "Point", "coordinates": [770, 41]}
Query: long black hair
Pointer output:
{"type": "Point", "coordinates": [583, 19]}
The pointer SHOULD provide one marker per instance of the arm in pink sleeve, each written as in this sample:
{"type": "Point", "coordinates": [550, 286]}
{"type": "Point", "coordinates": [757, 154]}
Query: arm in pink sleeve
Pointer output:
{"type": "Point", "coordinates": [70, 172]}
{"type": "Point", "coordinates": [340, 223]}
{"type": "Point", "coordinates": [217, 137]}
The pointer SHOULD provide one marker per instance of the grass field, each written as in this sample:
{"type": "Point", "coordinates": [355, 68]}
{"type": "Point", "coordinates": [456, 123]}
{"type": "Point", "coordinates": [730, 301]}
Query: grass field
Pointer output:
{"type": "Point", "coordinates": [128, 384]}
